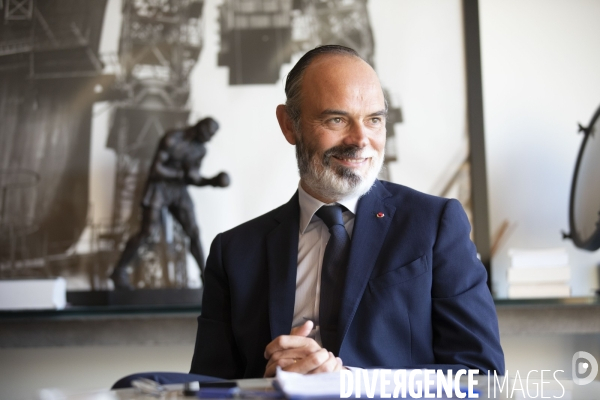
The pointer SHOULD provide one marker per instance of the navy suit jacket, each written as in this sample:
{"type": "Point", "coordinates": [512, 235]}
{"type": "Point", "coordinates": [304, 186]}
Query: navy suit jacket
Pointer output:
{"type": "Point", "coordinates": [415, 294]}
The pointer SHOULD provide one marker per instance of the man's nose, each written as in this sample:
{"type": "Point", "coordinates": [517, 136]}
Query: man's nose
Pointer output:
{"type": "Point", "coordinates": [357, 135]}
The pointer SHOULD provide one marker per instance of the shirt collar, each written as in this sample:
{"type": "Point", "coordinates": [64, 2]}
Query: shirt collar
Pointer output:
{"type": "Point", "coordinates": [309, 206]}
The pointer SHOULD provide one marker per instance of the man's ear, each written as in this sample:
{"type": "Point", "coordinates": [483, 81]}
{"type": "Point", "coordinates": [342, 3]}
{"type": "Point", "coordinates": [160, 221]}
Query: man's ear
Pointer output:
{"type": "Point", "coordinates": [286, 124]}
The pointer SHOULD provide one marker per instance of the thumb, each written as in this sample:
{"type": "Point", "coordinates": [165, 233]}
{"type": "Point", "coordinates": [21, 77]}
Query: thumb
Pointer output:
{"type": "Point", "coordinates": [303, 330]}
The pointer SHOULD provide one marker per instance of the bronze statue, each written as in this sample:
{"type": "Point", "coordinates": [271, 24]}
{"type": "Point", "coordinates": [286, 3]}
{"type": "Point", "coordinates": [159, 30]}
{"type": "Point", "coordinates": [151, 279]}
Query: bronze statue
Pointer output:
{"type": "Point", "coordinates": [176, 164]}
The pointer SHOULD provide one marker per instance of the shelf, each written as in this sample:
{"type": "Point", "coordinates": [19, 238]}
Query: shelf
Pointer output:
{"type": "Point", "coordinates": [78, 313]}
{"type": "Point", "coordinates": [170, 325]}
{"type": "Point", "coordinates": [567, 301]}
{"type": "Point", "coordinates": [573, 315]}
{"type": "Point", "coordinates": [119, 303]}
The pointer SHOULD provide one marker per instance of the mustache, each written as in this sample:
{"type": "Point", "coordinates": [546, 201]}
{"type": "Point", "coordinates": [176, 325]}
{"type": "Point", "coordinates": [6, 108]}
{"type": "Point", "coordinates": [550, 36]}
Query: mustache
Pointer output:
{"type": "Point", "coordinates": [345, 151]}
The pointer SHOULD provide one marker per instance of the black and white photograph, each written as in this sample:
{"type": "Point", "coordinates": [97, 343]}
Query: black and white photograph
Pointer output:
{"type": "Point", "coordinates": [88, 90]}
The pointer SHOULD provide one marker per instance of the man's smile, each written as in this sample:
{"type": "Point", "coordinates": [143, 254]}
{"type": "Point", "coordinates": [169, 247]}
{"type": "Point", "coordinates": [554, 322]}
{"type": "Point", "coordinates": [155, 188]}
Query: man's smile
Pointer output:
{"type": "Point", "coordinates": [352, 162]}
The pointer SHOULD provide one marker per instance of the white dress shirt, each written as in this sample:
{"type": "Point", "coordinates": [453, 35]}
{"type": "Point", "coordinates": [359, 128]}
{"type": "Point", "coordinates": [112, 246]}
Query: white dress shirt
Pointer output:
{"type": "Point", "coordinates": [313, 237]}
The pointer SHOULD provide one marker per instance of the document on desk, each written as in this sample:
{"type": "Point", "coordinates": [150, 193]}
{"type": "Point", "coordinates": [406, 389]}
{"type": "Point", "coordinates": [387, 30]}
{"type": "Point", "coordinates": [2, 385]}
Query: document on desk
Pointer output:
{"type": "Point", "coordinates": [373, 383]}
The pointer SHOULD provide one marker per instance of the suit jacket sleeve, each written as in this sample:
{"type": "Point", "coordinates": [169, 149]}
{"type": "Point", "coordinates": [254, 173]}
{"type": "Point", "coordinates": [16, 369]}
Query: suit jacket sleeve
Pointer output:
{"type": "Point", "coordinates": [465, 325]}
{"type": "Point", "coordinates": [216, 353]}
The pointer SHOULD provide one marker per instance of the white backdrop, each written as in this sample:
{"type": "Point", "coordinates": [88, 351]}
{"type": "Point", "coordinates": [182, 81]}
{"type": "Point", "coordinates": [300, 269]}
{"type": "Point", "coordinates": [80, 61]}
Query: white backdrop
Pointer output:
{"type": "Point", "coordinates": [540, 78]}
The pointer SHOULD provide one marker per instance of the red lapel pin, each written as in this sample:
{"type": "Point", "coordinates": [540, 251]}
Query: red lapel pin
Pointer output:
{"type": "Point", "coordinates": [380, 215]}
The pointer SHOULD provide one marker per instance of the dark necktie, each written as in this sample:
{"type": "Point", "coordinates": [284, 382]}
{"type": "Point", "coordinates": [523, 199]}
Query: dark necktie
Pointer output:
{"type": "Point", "coordinates": [333, 275]}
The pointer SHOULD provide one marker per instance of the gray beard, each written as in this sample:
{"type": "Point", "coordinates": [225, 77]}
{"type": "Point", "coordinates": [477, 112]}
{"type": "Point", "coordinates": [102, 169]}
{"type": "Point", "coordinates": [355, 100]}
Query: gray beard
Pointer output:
{"type": "Point", "coordinates": [335, 183]}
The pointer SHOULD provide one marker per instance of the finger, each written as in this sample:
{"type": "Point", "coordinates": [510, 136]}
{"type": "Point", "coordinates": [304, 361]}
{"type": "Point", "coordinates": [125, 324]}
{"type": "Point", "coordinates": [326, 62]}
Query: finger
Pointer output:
{"type": "Point", "coordinates": [282, 362]}
{"type": "Point", "coordinates": [309, 363]}
{"type": "Point", "coordinates": [286, 342]}
{"type": "Point", "coordinates": [330, 365]}
{"type": "Point", "coordinates": [271, 368]}
{"type": "Point", "coordinates": [285, 357]}
{"type": "Point", "coordinates": [304, 329]}
{"type": "Point", "coordinates": [291, 354]}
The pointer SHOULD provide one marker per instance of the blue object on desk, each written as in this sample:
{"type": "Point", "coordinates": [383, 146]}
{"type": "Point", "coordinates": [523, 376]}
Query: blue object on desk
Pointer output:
{"type": "Point", "coordinates": [217, 393]}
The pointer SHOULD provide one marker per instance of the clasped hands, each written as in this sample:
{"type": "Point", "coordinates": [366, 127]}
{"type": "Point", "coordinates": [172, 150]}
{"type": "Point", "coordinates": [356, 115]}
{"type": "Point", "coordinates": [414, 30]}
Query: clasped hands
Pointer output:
{"type": "Point", "coordinates": [297, 352]}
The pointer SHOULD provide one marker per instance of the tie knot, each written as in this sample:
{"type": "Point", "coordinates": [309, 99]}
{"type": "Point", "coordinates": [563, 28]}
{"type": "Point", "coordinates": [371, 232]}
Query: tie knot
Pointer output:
{"type": "Point", "coordinates": [331, 215]}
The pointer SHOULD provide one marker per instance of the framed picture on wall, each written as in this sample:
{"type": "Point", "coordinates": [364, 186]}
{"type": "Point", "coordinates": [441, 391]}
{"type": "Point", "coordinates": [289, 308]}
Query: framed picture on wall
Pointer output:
{"type": "Point", "coordinates": [87, 89]}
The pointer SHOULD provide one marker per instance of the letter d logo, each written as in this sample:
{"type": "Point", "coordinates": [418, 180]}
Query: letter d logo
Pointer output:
{"type": "Point", "coordinates": [579, 368]}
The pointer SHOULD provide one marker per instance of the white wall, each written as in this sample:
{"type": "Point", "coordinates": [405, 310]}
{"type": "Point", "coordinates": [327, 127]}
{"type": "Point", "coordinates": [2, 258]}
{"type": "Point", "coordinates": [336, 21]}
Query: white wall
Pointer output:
{"type": "Point", "coordinates": [540, 78]}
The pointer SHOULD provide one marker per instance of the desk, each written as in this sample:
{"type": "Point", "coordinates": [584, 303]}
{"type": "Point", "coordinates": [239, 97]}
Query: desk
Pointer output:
{"type": "Point", "coordinates": [175, 392]}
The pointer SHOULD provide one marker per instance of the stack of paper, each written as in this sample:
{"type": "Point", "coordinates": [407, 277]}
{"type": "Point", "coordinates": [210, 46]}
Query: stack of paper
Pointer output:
{"type": "Point", "coordinates": [539, 273]}
{"type": "Point", "coordinates": [28, 294]}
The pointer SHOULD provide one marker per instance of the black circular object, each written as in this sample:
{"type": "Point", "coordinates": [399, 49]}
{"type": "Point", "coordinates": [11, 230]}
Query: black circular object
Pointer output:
{"type": "Point", "coordinates": [584, 208]}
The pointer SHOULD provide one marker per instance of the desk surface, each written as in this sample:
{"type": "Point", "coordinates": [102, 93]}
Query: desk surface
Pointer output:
{"type": "Point", "coordinates": [251, 388]}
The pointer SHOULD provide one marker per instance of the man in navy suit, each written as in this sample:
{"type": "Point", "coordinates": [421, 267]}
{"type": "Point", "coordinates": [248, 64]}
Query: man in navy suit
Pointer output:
{"type": "Point", "coordinates": [414, 293]}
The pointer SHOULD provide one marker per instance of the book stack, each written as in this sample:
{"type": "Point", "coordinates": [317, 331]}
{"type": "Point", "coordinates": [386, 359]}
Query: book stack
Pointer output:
{"type": "Point", "coordinates": [32, 294]}
{"type": "Point", "coordinates": [540, 273]}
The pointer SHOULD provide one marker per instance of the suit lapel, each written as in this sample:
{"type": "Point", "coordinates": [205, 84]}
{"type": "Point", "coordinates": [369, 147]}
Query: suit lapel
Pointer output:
{"type": "Point", "coordinates": [367, 237]}
{"type": "Point", "coordinates": [282, 259]}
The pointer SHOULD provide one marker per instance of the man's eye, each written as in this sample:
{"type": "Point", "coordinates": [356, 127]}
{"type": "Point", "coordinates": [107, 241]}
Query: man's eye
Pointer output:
{"type": "Point", "coordinates": [375, 120]}
{"type": "Point", "coordinates": [335, 122]}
